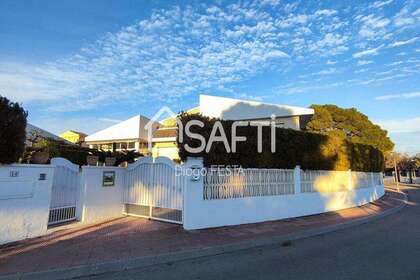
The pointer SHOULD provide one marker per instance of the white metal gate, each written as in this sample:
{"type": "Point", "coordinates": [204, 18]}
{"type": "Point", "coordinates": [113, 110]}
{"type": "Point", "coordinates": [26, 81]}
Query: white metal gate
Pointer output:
{"type": "Point", "coordinates": [65, 191]}
{"type": "Point", "coordinates": [155, 189]}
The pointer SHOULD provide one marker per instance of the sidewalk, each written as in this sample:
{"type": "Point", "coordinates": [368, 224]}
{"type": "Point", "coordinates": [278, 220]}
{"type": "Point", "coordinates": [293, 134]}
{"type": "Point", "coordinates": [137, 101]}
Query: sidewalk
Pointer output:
{"type": "Point", "coordinates": [135, 238]}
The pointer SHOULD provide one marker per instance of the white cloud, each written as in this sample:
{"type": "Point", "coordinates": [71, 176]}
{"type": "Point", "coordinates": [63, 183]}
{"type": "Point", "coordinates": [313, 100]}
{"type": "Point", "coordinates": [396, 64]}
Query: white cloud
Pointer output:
{"type": "Point", "coordinates": [364, 62]}
{"type": "Point", "coordinates": [373, 27]}
{"type": "Point", "coordinates": [109, 120]}
{"type": "Point", "coordinates": [379, 4]}
{"type": "Point", "coordinates": [172, 54]}
{"type": "Point", "coordinates": [270, 2]}
{"type": "Point", "coordinates": [57, 125]}
{"type": "Point", "coordinates": [368, 52]}
{"type": "Point", "coordinates": [325, 12]}
{"type": "Point", "coordinates": [401, 125]}
{"type": "Point", "coordinates": [179, 52]}
{"type": "Point", "coordinates": [402, 43]}
{"type": "Point", "coordinates": [406, 16]}
{"type": "Point", "coordinates": [399, 96]}
{"type": "Point", "coordinates": [330, 44]}
{"type": "Point", "coordinates": [326, 71]}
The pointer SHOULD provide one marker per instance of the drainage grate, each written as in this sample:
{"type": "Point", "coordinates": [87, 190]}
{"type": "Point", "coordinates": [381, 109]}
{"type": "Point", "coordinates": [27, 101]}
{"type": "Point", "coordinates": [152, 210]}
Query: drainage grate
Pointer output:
{"type": "Point", "coordinates": [138, 210]}
{"type": "Point", "coordinates": [167, 214]}
{"type": "Point", "coordinates": [61, 215]}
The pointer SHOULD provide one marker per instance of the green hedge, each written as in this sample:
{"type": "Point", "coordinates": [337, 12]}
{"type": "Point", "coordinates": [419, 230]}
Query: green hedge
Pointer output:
{"type": "Point", "coordinates": [311, 151]}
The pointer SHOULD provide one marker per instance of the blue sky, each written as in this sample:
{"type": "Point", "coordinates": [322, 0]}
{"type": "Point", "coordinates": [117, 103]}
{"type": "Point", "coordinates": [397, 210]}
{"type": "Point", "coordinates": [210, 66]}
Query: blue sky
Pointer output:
{"type": "Point", "coordinates": [84, 65]}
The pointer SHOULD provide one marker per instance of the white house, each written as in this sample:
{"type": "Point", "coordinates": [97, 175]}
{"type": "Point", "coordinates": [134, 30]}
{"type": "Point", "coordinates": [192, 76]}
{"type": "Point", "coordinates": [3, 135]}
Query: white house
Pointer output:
{"type": "Point", "coordinates": [130, 134]}
{"type": "Point", "coordinates": [235, 109]}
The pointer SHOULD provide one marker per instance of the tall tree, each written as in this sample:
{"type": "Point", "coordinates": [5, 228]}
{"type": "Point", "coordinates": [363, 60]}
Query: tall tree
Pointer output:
{"type": "Point", "coordinates": [350, 124]}
{"type": "Point", "coordinates": [12, 131]}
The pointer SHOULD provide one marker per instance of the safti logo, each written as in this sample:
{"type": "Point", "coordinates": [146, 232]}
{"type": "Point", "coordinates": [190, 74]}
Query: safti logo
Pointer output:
{"type": "Point", "coordinates": [218, 134]}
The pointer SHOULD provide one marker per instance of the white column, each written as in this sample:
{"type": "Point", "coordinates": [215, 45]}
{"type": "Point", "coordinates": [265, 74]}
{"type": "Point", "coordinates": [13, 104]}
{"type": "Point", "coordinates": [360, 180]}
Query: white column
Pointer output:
{"type": "Point", "coordinates": [193, 193]}
{"type": "Point", "coordinates": [351, 187]}
{"type": "Point", "coordinates": [297, 182]}
{"type": "Point", "coordinates": [372, 180]}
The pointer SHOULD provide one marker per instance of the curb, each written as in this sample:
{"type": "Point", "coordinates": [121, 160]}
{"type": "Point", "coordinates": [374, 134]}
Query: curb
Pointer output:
{"type": "Point", "coordinates": [140, 262]}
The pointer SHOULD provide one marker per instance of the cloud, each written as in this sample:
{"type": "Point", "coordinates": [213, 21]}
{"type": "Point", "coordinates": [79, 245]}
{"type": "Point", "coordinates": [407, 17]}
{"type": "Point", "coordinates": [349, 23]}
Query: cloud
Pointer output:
{"type": "Point", "coordinates": [173, 53]}
{"type": "Point", "coordinates": [364, 62]}
{"type": "Point", "coordinates": [379, 4]}
{"type": "Point", "coordinates": [372, 27]}
{"type": "Point", "coordinates": [406, 17]}
{"type": "Point", "coordinates": [108, 120]}
{"type": "Point", "coordinates": [326, 71]}
{"type": "Point", "coordinates": [57, 124]}
{"type": "Point", "coordinates": [330, 44]}
{"type": "Point", "coordinates": [176, 53]}
{"type": "Point", "coordinates": [399, 96]}
{"type": "Point", "coordinates": [401, 125]}
{"type": "Point", "coordinates": [368, 52]}
{"type": "Point", "coordinates": [402, 43]}
{"type": "Point", "coordinates": [325, 12]}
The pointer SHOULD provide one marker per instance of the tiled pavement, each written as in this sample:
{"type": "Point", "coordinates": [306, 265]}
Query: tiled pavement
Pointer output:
{"type": "Point", "coordinates": [136, 237]}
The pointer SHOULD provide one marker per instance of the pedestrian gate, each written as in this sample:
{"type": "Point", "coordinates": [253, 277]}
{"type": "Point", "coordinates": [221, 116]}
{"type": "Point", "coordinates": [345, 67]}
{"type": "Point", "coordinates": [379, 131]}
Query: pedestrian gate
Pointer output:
{"type": "Point", "coordinates": [155, 189]}
{"type": "Point", "coordinates": [65, 191]}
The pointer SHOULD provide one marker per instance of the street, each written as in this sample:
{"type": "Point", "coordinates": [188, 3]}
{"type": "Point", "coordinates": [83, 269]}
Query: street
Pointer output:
{"type": "Point", "coordinates": [385, 249]}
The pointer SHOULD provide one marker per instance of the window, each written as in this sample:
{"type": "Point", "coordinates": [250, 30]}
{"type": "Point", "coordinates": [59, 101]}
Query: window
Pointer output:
{"type": "Point", "coordinates": [131, 145]}
{"type": "Point", "coordinates": [123, 146]}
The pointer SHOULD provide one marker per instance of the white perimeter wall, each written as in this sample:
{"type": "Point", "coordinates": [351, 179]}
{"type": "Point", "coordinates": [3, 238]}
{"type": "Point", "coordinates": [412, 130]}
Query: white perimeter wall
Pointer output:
{"type": "Point", "coordinates": [101, 203]}
{"type": "Point", "coordinates": [24, 201]}
{"type": "Point", "coordinates": [200, 213]}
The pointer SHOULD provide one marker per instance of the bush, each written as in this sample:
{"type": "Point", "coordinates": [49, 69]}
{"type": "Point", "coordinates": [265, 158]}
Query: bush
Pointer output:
{"type": "Point", "coordinates": [309, 150]}
{"type": "Point", "coordinates": [12, 131]}
{"type": "Point", "coordinates": [75, 153]}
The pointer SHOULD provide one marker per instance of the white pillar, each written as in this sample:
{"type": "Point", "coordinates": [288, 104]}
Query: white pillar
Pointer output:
{"type": "Point", "coordinates": [372, 180]}
{"type": "Point", "coordinates": [297, 181]}
{"type": "Point", "coordinates": [193, 193]}
{"type": "Point", "coordinates": [351, 187]}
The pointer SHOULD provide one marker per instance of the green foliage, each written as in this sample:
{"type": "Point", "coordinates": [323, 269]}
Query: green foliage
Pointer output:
{"type": "Point", "coordinates": [350, 124]}
{"type": "Point", "coordinates": [75, 153]}
{"type": "Point", "coordinates": [309, 150]}
{"type": "Point", "coordinates": [12, 131]}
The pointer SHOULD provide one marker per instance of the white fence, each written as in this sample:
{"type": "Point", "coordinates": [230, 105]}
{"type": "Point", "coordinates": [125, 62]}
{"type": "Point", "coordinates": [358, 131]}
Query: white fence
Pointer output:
{"type": "Point", "coordinates": [163, 190]}
{"type": "Point", "coordinates": [236, 183]}
{"type": "Point", "coordinates": [224, 198]}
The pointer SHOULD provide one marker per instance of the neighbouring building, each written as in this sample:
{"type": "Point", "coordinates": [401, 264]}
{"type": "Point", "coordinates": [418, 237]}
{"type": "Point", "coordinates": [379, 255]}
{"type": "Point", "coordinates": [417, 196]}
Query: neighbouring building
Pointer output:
{"type": "Point", "coordinates": [164, 138]}
{"type": "Point", "coordinates": [130, 134]}
{"type": "Point", "coordinates": [34, 133]}
{"type": "Point", "coordinates": [73, 136]}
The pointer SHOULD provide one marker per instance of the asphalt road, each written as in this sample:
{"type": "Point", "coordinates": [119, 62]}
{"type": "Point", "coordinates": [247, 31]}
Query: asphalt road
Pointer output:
{"type": "Point", "coordinates": [385, 249]}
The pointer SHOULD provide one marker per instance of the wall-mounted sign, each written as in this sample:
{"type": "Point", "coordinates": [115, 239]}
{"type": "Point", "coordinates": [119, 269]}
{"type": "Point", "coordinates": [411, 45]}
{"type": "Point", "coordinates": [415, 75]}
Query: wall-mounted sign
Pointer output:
{"type": "Point", "coordinates": [42, 177]}
{"type": "Point", "coordinates": [108, 179]}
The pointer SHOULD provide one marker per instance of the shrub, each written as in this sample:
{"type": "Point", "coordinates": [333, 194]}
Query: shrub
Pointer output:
{"type": "Point", "coordinates": [75, 153]}
{"type": "Point", "coordinates": [12, 131]}
{"type": "Point", "coordinates": [309, 150]}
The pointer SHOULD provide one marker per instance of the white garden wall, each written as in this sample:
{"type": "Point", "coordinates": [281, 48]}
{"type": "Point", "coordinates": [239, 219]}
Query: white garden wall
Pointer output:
{"type": "Point", "coordinates": [25, 196]}
{"type": "Point", "coordinates": [200, 213]}
{"type": "Point", "coordinates": [100, 202]}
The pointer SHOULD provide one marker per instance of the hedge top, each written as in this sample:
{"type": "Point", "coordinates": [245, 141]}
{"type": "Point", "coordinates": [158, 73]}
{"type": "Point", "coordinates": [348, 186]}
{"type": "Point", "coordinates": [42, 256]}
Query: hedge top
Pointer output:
{"type": "Point", "coordinates": [309, 150]}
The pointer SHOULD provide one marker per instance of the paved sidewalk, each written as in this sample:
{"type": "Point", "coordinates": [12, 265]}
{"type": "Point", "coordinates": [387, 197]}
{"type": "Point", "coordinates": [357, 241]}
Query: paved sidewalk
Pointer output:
{"type": "Point", "coordinates": [129, 237]}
